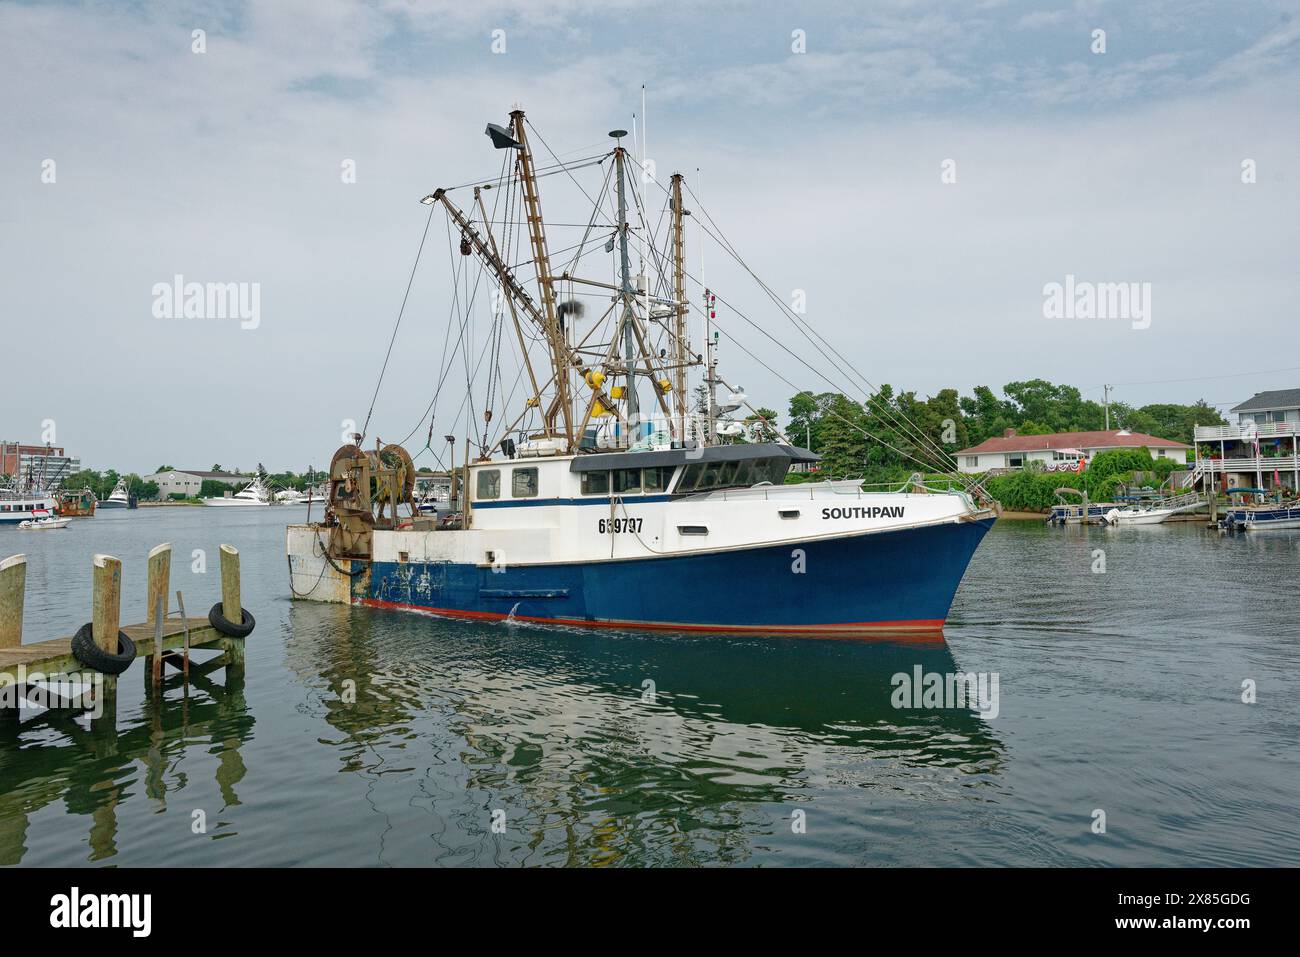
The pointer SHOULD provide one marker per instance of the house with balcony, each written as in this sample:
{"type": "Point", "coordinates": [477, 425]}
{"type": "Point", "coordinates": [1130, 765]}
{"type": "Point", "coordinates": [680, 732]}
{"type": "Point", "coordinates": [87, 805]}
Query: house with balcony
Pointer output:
{"type": "Point", "coordinates": [1061, 451]}
{"type": "Point", "coordinates": [1256, 451]}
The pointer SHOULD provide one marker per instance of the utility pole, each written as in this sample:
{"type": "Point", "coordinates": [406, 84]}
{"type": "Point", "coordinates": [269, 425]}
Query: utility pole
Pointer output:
{"type": "Point", "coordinates": [1106, 391]}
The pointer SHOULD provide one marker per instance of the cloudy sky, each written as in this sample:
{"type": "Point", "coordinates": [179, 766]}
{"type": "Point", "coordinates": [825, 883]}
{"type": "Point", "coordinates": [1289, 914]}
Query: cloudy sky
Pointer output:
{"type": "Point", "coordinates": [127, 158]}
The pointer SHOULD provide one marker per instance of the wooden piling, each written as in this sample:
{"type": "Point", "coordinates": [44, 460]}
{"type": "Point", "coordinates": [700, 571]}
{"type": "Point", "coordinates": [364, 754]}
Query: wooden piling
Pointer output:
{"type": "Point", "coordinates": [230, 601]}
{"type": "Point", "coordinates": [106, 605]}
{"type": "Point", "coordinates": [13, 584]}
{"type": "Point", "coordinates": [160, 568]}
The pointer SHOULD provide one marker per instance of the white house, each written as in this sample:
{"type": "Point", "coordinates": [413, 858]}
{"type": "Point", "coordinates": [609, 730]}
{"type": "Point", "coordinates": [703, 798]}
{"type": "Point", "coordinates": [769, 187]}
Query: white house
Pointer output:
{"type": "Point", "coordinates": [1061, 451]}
{"type": "Point", "coordinates": [1259, 450]}
{"type": "Point", "coordinates": [174, 481]}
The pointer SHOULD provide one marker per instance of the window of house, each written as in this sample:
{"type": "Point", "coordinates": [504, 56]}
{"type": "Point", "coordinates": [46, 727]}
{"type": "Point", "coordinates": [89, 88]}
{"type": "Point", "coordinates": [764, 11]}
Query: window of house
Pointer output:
{"type": "Point", "coordinates": [523, 483]}
{"type": "Point", "coordinates": [595, 483]}
{"type": "Point", "coordinates": [489, 484]}
{"type": "Point", "coordinates": [972, 461]}
{"type": "Point", "coordinates": [627, 481]}
{"type": "Point", "coordinates": [1015, 461]}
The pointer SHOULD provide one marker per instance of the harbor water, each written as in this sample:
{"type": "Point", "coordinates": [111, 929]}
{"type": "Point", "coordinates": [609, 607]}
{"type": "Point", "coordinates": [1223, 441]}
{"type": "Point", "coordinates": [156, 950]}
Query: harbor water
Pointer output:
{"type": "Point", "coordinates": [1120, 659]}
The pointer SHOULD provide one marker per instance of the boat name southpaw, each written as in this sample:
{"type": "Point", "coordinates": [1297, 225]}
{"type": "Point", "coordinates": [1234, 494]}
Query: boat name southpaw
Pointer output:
{"type": "Point", "coordinates": [874, 511]}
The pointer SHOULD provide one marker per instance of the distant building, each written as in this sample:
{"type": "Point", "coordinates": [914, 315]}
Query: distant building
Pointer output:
{"type": "Point", "coordinates": [1258, 450]}
{"type": "Point", "coordinates": [189, 483]}
{"type": "Point", "coordinates": [42, 464]}
{"type": "Point", "coordinates": [1061, 451]}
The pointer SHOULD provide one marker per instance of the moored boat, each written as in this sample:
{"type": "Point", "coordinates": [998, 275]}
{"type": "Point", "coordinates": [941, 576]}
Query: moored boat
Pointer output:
{"type": "Point", "coordinates": [1262, 514]}
{"type": "Point", "coordinates": [254, 494]}
{"type": "Point", "coordinates": [613, 499]}
{"type": "Point", "coordinates": [20, 508]}
{"type": "Point", "coordinates": [120, 497]}
{"type": "Point", "coordinates": [42, 520]}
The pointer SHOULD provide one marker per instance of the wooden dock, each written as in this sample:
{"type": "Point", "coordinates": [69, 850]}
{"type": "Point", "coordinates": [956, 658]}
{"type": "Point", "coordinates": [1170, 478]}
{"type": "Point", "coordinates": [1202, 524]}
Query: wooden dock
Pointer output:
{"type": "Point", "coordinates": [163, 640]}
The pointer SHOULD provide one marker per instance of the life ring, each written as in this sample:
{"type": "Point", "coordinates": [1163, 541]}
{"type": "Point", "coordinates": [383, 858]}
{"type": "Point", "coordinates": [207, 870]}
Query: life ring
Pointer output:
{"type": "Point", "coordinates": [217, 619]}
{"type": "Point", "coordinates": [95, 658]}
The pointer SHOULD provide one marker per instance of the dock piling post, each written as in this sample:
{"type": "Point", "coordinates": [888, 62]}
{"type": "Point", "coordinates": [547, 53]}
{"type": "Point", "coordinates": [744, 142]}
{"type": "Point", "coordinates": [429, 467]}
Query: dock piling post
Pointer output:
{"type": "Point", "coordinates": [232, 609]}
{"type": "Point", "coordinates": [160, 568]}
{"type": "Point", "coordinates": [230, 600]}
{"type": "Point", "coordinates": [106, 606]}
{"type": "Point", "coordinates": [157, 658]}
{"type": "Point", "coordinates": [13, 584]}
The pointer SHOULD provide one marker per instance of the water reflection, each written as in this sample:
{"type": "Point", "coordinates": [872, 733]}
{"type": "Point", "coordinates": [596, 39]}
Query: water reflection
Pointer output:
{"type": "Point", "coordinates": [606, 748]}
{"type": "Point", "coordinates": [92, 765]}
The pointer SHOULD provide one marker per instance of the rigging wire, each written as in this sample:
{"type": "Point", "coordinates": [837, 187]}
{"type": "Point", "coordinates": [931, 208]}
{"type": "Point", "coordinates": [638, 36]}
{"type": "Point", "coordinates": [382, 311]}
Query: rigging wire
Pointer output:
{"type": "Point", "coordinates": [397, 325]}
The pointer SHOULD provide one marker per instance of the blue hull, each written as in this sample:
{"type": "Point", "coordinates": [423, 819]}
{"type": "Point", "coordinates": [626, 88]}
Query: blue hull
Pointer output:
{"type": "Point", "coordinates": [901, 581]}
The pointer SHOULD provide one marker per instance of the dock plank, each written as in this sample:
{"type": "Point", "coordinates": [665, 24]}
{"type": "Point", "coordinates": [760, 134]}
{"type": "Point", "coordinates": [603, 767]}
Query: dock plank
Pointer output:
{"type": "Point", "coordinates": [54, 656]}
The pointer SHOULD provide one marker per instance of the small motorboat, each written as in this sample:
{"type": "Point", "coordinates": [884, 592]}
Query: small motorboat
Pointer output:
{"type": "Point", "coordinates": [1144, 511]}
{"type": "Point", "coordinates": [42, 520]}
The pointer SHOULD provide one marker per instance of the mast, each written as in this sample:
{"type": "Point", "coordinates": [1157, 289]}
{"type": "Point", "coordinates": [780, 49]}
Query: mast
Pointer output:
{"type": "Point", "coordinates": [679, 293]}
{"type": "Point", "coordinates": [627, 292]}
{"type": "Point", "coordinates": [541, 258]}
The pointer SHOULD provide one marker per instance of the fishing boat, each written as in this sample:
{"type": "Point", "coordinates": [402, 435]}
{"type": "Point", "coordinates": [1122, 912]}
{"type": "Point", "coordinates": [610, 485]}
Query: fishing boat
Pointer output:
{"type": "Point", "coordinates": [619, 496]}
{"type": "Point", "coordinates": [76, 503]}
{"type": "Point", "coordinates": [17, 508]}
{"type": "Point", "coordinates": [1262, 514]}
{"type": "Point", "coordinates": [120, 497]}
{"type": "Point", "coordinates": [254, 494]}
{"type": "Point", "coordinates": [42, 521]}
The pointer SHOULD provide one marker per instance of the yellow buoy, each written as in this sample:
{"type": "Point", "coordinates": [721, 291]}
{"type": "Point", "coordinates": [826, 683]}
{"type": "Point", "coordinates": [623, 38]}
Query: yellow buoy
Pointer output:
{"type": "Point", "coordinates": [616, 392]}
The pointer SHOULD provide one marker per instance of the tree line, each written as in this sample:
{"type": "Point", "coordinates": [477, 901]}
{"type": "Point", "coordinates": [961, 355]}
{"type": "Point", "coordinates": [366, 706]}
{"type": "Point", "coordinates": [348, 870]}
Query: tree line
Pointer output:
{"type": "Point", "coordinates": [898, 433]}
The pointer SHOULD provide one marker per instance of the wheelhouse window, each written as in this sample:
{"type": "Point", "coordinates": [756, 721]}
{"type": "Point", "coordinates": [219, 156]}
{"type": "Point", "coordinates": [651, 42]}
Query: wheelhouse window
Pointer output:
{"type": "Point", "coordinates": [523, 483]}
{"type": "Point", "coordinates": [656, 479]}
{"type": "Point", "coordinates": [489, 484]}
{"type": "Point", "coordinates": [740, 473]}
{"type": "Point", "coordinates": [627, 481]}
{"type": "Point", "coordinates": [595, 483]}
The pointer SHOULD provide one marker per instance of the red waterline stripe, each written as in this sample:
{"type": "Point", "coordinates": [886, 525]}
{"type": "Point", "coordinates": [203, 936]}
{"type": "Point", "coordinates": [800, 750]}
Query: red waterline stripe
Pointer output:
{"type": "Point", "coordinates": [923, 627]}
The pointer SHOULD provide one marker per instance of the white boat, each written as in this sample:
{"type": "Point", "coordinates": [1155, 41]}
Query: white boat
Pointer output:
{"type": "Point", "coordinates": [255, 493]}
{"type": "Point", "coordinates": [1153, 512]}
{"type": "Point", "coordinates": [120, 497]}
{"type": "Point", "coordinates": [665, 522]}
{"type": "Point", "coordinates": [20, 508]}
{"type": "Point", "coordinates": [42, 521]}
{"type": "Point", "coordinates": [312, 496]}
